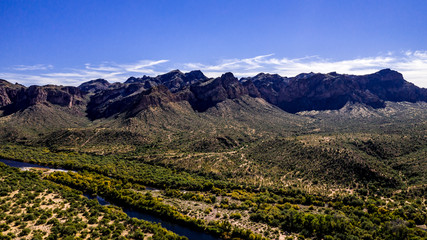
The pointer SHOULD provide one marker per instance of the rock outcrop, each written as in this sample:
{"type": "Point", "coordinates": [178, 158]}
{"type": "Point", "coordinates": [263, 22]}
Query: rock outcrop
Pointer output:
{"type": "Point", "coordinates": [129, 100]}
{"type": "Point", "coordinates": [208, 93]}
{"type": "Point", "coordinates": [94, 86]}
{"type": "Point", "coordinates": [15, 97]}
{"type": "Point", "coordinates": [134, 96]}
{"type": "Point", "coordinates": [306, 91]}
{"type": "Point", "coordinates": [332, 91]}
{"type": "Point", "coordinates": [8, 92]}
{"type": "Point", "coordinates": [174, 80]}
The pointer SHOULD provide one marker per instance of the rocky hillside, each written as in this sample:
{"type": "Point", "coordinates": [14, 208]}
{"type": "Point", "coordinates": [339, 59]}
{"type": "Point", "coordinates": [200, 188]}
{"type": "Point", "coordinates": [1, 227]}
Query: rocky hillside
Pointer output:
{"type": "Point", "coordinates": [315, 91]}
{"type": "Point", "coordinates": [305, 92]}
{"type": "Point", "coordinates": [348, 127]}
{"type": "Point", "coordinates": [301, 93]}
{"type": "Point", "coordinates": [15, 97]}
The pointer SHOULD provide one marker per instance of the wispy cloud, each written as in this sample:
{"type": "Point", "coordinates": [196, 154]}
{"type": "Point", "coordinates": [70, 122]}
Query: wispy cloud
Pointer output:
{"type": "Point", "coordinates": [75, 76]}
{"type": "Point", "coordinates": [32, 67]}
{"type": "Point", "coordinates": [248, 64]}
{"type": "Point", "coordinates": [143, 66]}
{"type": "Point", "coordinates": [412, 64]}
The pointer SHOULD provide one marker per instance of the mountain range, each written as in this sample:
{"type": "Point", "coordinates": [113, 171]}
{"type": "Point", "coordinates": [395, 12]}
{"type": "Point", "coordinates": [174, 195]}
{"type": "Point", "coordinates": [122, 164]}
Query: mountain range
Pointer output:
{"type": "Point", "coordinates": [364, 128]}
{"type": "Point", "coordinates": [304, 92]}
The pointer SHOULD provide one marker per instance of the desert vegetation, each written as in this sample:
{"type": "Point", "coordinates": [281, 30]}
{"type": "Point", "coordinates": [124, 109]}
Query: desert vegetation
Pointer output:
{"type": "Point", "coordinates": [33, 208]}
{"type": "Point", "coordinates": [243, 169]}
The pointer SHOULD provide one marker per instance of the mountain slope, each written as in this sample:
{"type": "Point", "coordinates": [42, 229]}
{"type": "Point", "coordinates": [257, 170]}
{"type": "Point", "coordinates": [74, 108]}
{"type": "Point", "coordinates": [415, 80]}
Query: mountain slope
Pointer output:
{"type": "Point", "coordinates": [304, 92]}
{"type": "Point", "coordinates": [175, 125]}
{"type": "Point", "coordinates": [364, 129]}
{"type": "Point", "coordinates": [332, 91]}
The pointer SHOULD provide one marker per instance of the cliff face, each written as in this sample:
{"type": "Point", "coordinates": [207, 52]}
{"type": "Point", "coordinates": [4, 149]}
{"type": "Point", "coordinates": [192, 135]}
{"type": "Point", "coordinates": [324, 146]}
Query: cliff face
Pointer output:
{"type": "Point", "coordinates": [62, 96]}
{"type": "Point", "coordinates": [14, 97]}
{"type": "Point", "coordinates": [130, 100]}
{"type": "Point", "coordinates": [94, 86]}
{"type": "Point", "coordinates": [332, 91]}
{"type": "Point", "coordinates": [4, 97]}
{"type": "Point", "coordinates": [133, 96]}
{"type": "Point", "coordinates": [389, 85]}
{"type": "Point", "coordinates": [209, 93]}
{"type": "Point", "coordinates": [308, 91]}
{"type": "Point", "coordinates": [8, 92]}
{"type": "Point", "coordinates": [174, 80]}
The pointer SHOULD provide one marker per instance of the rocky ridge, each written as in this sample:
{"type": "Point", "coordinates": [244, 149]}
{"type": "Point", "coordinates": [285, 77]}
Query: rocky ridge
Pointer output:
{"type": "Point", "coordinates": [16, 97]}
{"type": "Point", "coordinates": [304, 92]}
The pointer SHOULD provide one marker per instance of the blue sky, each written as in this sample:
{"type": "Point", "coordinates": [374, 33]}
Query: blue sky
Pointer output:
{"type": "Point", "coordinates": [69, 42]}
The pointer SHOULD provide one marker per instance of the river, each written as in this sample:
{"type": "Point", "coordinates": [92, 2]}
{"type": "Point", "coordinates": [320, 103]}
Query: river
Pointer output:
{"type": "Point", "coordinates": [191, 234]}
{"type": "Point", "coordinates": [181, 230]}
{"type": "Point", "coordinates": [22, 164]}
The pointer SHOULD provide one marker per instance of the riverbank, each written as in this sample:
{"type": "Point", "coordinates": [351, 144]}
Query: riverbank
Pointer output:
{"type": "Point", "coordinates": [191, 234]}
{"type": "Point", "coordinates": [34, 208]}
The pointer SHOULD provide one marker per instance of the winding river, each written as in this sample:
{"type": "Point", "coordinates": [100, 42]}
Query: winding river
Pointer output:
{"type": "Point", "coordinates": [191, 234]}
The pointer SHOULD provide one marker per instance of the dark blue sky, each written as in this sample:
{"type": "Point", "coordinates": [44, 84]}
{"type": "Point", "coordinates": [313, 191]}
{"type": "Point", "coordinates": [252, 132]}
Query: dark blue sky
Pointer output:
{"type": "Point", "coordinates": [45, 38]}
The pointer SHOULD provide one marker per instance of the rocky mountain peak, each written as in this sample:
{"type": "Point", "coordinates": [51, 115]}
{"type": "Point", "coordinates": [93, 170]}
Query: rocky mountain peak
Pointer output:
{"type": "Point", "coordinates": [140, 80]}
{"type": "Point", "coordinates": [174, 80]}
{"type": "Point", "coordinates": [389, 75]}
{"type": "Point", "coordinates": [267, 76]}
{"type": "Point", "coordinates": [94, 85]}
{"type": "Point", "coordinates": [305, 75]}
{"type": "Point", "coordinates": [170, 75]}
{"type": "Point", "coordinates": [4, 82]}
{"type": "Point", "coordinates": [228, 76]}
{"type": "Point", "coordinates": [195, 75]}
{"type": "Point", "coordinates": [304, 92]}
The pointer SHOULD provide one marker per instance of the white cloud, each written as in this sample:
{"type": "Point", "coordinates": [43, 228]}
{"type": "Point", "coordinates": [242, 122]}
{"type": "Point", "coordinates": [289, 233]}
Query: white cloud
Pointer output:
{"type": "Point", "coordinates": [412, 64]}
{"type": "Point", "coordinates": [28, 79]}
{"type": "Point", "coordinates": [228, 65]}
{"type": "Point", "coordinates": [102, 67]}
{"type": "Point", "coordinates": [107, 70]}
{"type": "Point", "coordinates": [32, 67]}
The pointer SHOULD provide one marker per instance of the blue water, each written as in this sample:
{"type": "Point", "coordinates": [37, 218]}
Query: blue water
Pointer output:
{"type": "Point", "coordinates": [21, 164]}
{"type": "Point", "coordinates": [181, 230]}
{"type": "Point", "coordinates": [191, 234]}
{"type": "Point", "coordinates": [100, 200]}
